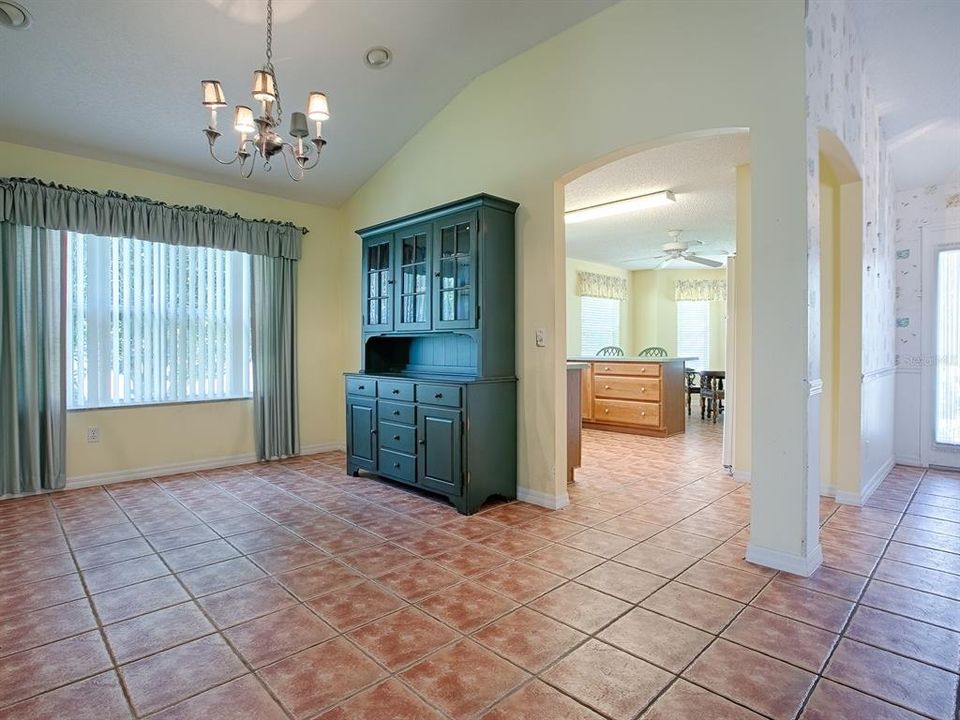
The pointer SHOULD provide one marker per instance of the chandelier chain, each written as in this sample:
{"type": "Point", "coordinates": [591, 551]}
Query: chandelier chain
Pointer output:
{"type": "Point", "coordinates": [269, 64]}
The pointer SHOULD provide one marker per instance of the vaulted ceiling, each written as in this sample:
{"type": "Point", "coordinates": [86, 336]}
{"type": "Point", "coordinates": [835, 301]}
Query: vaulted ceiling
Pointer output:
{"type": "Point", "coordinates": [120, 79]}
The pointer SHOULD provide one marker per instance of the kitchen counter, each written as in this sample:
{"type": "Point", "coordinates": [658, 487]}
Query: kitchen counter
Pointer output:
{"type": "Point", "coordinates": [628, 358]}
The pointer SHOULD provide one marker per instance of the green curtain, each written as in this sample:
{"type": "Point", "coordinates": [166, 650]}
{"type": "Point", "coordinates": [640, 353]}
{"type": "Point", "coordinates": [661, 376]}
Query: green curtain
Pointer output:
{"type": "Point", "coordinates": [32, 380]}
{"type": "Point", "coordinates": [28, 201]}
{"type": "Point", "coordinates": [275, 410]}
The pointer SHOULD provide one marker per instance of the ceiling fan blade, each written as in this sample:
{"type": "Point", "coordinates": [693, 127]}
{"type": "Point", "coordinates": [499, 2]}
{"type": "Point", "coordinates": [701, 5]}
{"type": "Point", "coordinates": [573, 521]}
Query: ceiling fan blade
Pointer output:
{"type": "Point", "coordinates": [703, 261]}
{"type": "Point", "coordinates": [666, 261]}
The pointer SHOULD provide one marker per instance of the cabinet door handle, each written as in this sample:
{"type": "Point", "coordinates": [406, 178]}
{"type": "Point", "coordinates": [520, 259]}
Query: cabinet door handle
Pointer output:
{"type": "Point", "coordinates": [396, 437]}
{"type": "Point", "coordinates": [438, 396]}
{"type": "Point", "coordinates": [396, 391]}
{"type": "Point", "coordinates": [423, 442]}
{"type": "Point", "coordinates": [373, 431]}
{"type": "Point", "coordinates": [437, 274]}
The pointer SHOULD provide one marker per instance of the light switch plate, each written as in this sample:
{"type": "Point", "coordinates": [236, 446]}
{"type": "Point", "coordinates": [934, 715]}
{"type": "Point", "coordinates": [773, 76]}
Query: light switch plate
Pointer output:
{"type": "Point", "coordinates": [93, 433]}
{"type": "Point", "coordinates": [541, 338]}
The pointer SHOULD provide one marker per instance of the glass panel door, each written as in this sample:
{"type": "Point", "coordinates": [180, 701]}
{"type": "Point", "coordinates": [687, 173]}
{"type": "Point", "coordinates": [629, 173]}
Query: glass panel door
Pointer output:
{"type": "Point", "coordinates": [378, 284]}
{"type": "Point", "coordinates": [413, 263]}
{"type": "Point", "coordinates": [946, 421]}
{"type": "Point", "coordinates": [456, 299]}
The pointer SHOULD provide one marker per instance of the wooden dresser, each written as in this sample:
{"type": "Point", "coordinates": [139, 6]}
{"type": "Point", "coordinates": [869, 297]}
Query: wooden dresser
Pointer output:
{"type": "Point", "coordinates": [642, 396]}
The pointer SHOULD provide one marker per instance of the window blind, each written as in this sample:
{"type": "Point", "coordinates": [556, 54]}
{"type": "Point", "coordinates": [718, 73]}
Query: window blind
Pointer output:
{"type": "Point", "coordinates": [151, 323]}
{"type": "Point", "coordinates": [947, 424]}
{"type": "Point", "coordinates": [693, 332]}
{"type": "Point", "coordinates": [599, 323]}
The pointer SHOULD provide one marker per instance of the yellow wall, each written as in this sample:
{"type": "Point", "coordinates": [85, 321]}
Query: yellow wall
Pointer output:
{"type": "Point", "coordinates": [655, 313]}
{"type": "Point", "coordinates": [164, 437]}
{"type": "Point", "coordinates": [743, 331]}
{"type": "Point", "coordinates": [829, 316]}
{"type": "Point", "coordinates": [589, 95]}
{"type": "Point", "coordinates": [573, 304]}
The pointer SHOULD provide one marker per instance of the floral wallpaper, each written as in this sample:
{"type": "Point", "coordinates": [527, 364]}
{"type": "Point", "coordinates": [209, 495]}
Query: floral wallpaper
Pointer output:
{"type": "Point", "coordinates": [839, 99]}
{"type": "Point", "coordinates": [915, 209]}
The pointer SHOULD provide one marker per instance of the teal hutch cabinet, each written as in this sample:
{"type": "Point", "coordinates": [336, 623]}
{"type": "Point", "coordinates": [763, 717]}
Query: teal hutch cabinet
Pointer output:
{"type": "Point", "coordinates": [434, 404]}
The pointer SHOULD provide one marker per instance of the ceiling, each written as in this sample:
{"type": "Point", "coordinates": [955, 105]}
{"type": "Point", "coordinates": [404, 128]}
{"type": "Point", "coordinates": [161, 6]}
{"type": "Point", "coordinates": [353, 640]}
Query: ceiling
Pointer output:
{"type": "Point", "coordinates": [120, 79]}
{"type": "Point", "coordinates": [702, 175]}
{"type": "Point", "coordinates": [913, 67]}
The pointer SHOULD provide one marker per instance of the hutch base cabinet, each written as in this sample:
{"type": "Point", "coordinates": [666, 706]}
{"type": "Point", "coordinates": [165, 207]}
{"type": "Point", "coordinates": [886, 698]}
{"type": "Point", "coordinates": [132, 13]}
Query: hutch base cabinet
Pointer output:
{"type": "Point", "coordinates": [434, 404]}
{"type": "Point", "coordinates": [454, 438]}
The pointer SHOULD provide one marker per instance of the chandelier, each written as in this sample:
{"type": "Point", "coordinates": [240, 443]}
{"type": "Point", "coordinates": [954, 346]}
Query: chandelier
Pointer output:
{"type": "Point", "coordinates": [259, 136]}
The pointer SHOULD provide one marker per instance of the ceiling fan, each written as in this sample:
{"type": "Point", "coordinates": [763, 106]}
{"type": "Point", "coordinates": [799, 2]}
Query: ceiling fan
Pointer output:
{"type": "Point", "coordinates": [677, 249]}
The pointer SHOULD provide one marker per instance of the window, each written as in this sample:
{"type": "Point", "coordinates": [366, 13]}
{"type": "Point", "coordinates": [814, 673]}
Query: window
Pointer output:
{"type": "Point", "coordinates": [154, 323]}
{"type": "Point", "coordinates": [693, 331]}
{"type": "Point", "coordinates": [599, 324]}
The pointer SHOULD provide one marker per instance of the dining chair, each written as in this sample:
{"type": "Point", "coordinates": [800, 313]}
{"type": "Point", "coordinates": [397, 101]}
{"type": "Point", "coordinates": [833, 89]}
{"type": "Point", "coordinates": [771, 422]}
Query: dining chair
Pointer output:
{"type": "Point", "coordinates": [693, 386]}
{"type": "Point", "coordinates": [654, 351]}
{"type": "Point", "coordinates": [610, 351]}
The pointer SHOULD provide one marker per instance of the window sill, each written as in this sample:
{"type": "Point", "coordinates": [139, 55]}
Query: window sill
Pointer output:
{"type": "Point", "coordinates": [125, 406]}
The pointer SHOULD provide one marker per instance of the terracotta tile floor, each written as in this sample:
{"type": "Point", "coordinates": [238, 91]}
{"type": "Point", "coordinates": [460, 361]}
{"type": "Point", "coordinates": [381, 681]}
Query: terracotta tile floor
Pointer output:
{"type": "Point", "coordinates": [294, 591]}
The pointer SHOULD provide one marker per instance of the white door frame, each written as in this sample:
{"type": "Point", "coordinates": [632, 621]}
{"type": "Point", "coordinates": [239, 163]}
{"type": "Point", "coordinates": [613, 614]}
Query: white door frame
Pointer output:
{"type": "Point", "coordinates": [934, 239]}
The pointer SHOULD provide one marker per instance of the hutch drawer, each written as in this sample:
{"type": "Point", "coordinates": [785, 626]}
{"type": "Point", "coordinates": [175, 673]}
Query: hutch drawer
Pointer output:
{"type": "Point", "coordinates": [395, 390]}
{"type": "Point", "coordinates": [361, 386]}
{"type": "Point", "coordinates": [445, 395]}
{"type": "Point", "coordinates": [398, 412]}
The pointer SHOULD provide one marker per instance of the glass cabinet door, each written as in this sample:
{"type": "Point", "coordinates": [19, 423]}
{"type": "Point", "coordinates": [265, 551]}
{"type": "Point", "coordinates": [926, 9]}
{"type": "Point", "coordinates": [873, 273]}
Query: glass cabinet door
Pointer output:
{"type": "Point", "coordinates": [455, 277]}
{"type": "Point", "coordinates": [413, 268]}
{"type": "Point", "coordinates": [378, 283]}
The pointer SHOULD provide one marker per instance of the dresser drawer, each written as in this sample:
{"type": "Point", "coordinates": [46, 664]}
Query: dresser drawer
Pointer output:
{"type": "Point", "coordinates": [395, 390]}
{"type": "Point", "coordinates": [627, 368]}
{"type": "Point", "coordinates": [625, 387]}
{"type": "Point", "coordinates": [626, 412]}
{"type": "Point", "coordinates": [402, 438]}
{"type": "Point", "coordinates": [398, 466]}
{"type": "Point", "coordinates": [361, 386]}
{"type": "Point", "coordinates": [446, 395]}
{"type": "Point", "coordinates": [397, 412]}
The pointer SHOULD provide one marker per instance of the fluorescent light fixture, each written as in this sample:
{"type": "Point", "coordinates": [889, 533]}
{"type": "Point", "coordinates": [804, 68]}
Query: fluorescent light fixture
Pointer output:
{"type": "Point", "coordinates": [619, 207]}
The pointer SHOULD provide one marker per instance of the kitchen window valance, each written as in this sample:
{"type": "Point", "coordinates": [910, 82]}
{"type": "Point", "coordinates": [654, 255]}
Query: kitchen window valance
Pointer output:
{"type": "Point", "coordinates": [601, 286]}
{"type": "Point", "coordinates": [34, 203]}
{"type": "Point", "coordinates": [705, 290]}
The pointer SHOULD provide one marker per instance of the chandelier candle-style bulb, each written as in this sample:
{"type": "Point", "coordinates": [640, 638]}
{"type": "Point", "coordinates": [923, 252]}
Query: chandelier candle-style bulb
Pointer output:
{"type": "Point", "coordinates": [211, 95]}
{"type": "Point", "coordinates": [243, 120]}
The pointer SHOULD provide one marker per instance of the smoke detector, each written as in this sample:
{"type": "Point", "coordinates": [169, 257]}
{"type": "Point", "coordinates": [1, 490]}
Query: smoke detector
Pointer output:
{"type": "Point", "coordinates": [376, 58]}
{"type": "Point", "coordinates": [13, 15]}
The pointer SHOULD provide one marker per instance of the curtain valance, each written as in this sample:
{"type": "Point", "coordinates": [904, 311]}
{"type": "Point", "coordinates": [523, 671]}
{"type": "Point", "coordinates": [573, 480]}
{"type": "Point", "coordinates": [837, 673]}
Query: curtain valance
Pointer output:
{"type": "Point", "coordinates": [34, 203]}
{"type": "Point", "coordinates": [708, 290]}
{"type": "Point", "coordinates": [601, 286]}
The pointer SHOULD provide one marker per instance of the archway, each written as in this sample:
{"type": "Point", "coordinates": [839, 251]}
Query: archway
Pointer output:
{"type": "Point", "coordinates": [841, 316]}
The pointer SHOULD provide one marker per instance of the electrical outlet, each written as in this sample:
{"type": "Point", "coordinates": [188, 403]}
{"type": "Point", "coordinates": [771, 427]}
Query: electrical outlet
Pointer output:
{"type": "Point", "coordinates": [93, 433]}
{"type": "Point", "coordinates": [541, 338]}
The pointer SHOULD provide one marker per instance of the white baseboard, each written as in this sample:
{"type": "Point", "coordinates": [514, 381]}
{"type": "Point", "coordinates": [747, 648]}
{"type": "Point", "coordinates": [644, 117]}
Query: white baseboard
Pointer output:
{"type": "Point", "coordinates": [788, 562]}
{"type": "Point", "coordinates": [845, 497]}
{"type": "Point", "coordinates": [142, 473]}
{"type": "Point", "coordinates": [741, 475]}
{"type": "Point", "coordinates": [910, 460]}
{"type": "Point", "coordinates": [547, 500]}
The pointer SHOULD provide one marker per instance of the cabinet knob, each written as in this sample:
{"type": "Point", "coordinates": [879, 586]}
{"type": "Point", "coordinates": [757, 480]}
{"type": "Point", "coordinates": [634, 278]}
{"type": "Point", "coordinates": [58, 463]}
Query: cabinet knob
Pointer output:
{"type": "Point", "coordinates": [437, 274]}
{"type": "Point", "coordinates": [396, 412]}
{"type": "Point", "coordinates": [606, 368]}
{"type": "Point", "coordinates": [643, 413]}
{"type": "Point", "coordinates": [373, 431]}
{"type": "Point", "coordinates": [643, 389]}
{"type": "Point", "coordinates": [438, 396]}
{"type": "Point", "coordinates": [396, 437]}
{"type": "Point", "coordinates": [361, 387]}
{"type": "Point", "coordinates": [396, 465]}
{"type": "Point", "coordinates": [606, 411]}
{"type": "Point", "coordinates": [423, 442]}
{"type": "Point", "coordinates": [396, 391]}
{"type": "Point", "coordinates": [390, 282]}
{"type": "Point", "coordinates": [606, 387]}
